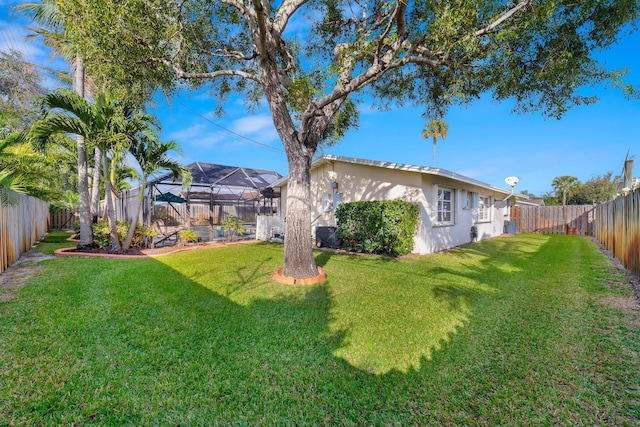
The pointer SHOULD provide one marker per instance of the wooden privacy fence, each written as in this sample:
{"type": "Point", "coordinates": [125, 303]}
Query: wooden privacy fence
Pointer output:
{"type": "Point", "coordinates": [63, 219]}
{"type": "Point", "coordinates": [21, 226]}
{"type": "Point", "coordinates": [577, 219]}
{"type": "Point", "coordinates": [618, 229]}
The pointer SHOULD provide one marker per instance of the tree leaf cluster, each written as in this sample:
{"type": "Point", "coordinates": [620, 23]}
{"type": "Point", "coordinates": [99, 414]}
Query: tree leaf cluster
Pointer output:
{"type": "Point", "coordinates": [42, 174]}
{"type": "Point", "coordinates": [450, 52]}
{"type": "Point", "coordinates": [20, 88]}
{"type": "Point", "coordinates": [598, 189]}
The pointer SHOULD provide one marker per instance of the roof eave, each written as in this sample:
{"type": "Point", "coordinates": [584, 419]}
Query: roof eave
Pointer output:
{"type": "Point", "coordinates": [328, 158]}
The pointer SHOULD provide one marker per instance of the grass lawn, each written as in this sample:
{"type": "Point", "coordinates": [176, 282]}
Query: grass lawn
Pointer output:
{"type": "Point", "coordinates": [527, 330]}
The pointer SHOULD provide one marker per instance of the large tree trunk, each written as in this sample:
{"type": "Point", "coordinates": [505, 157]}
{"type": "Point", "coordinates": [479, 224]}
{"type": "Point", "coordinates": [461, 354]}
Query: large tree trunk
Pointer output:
{"type": "Point", "coordinates": [298, 246]}
{"type": "Point", "coordinates": [86, 232]}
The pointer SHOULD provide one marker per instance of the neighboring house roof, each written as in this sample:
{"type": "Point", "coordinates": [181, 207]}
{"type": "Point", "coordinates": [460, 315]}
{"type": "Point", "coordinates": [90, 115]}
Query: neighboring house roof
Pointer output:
{"type": "Point", "coordinates": [328, 158]}
{"type": "Point", "coordinates": [208, 174]}
{"type": "Point", "coordinates": [530, 202]}
{"type": "Point", "coordinates": [207, 195]}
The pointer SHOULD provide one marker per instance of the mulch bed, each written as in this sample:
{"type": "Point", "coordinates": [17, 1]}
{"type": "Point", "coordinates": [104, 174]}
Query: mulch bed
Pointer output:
{"type": "Point", "coordinates": [141, 253]}
{"type": "Point", "coordinates": [131, 251]}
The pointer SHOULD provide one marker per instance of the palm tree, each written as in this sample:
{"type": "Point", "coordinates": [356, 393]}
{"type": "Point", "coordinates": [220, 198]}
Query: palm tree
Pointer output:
{"type": "Point", "coordinates": [567, 185]}
{"type": "Point", "coordinates": [104, 124]}
{"type": "Point", "coordinates": [436, 128]}
{"type": "Point", "coordinates": [59, 37]}
{"type": "Point", "coordinates": [152, 157]}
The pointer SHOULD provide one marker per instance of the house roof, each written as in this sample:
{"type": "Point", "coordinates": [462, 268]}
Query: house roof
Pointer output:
{"type": "Point", "coordinates": [530, 202]}
{"type": "Point", "coordinates": [328, 158]}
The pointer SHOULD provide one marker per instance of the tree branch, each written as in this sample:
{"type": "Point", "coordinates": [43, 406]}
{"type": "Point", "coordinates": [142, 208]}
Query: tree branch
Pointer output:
{"type": "Point", "coordinates": [521, 5]}
{"type": "Point", "coordinates": [262, 27]}
{"type": "Point", "coordinates": [181, 74]}
{"type": "Point", "coordinates": [374, 72]}
{"type": "Point", "coordinates": [285, 12]}
{"type": "Point", "coordinates": [402, 19]}
{"type": "Point", "coordinates": [387, 30]}
{"type": "Point", "coordinates": [230, 54]}
{"type": "Point", "coordinates": [248, 14]}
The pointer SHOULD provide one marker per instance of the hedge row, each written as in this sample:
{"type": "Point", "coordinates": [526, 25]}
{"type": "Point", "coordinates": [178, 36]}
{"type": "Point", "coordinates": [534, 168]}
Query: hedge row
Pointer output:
{"type": "Point", "coordinates": [378, 227]}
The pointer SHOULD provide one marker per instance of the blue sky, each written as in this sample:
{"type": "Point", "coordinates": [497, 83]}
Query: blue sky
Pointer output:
{"type": "Point", "coordinates": [486, 141]}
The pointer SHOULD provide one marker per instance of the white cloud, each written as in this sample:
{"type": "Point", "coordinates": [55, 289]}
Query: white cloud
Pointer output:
{"type": "Point", "coordinates": [259, 127]}
{"type": "Point", "coordinates": [186, 133]}
{"type": "Point", "coordinates": [13, 36]}
{"type": "Point", "coordinates": [251, 124]}
{"type": "Point", "coordinates": [205, 142]}
{"type": "Point", "coordinates": [197, 137]}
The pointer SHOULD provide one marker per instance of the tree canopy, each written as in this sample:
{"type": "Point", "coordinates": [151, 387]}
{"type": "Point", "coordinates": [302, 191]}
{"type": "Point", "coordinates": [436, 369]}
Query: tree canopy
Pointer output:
{"type": "Point", "coordinates": [565, 187]}
{"type": "Point", "coordinates": [20, 88]}
{"type": "Point", "coordinates": [599, 189]}
{"type": "Point", "coordinates": [314, 60]}
{"type": "Point", "coordinates": [41, 174]}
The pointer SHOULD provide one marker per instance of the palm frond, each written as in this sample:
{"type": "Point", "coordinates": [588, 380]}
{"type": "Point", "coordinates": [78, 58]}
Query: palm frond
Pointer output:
{"type": "Point", "coordinates": [72, 103]}
{"type": "Point", "coordinates": [11, 187]}
{"type": "Point", "coordinates": [45, 13]}
{"type": "Point", "coordinates": [53, 124]}
{"type": "Point", "coordinates": [12, 139]}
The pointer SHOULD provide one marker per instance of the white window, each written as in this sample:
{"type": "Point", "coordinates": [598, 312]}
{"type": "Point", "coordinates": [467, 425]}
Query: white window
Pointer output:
{"type": "Point", "coordinates": [469, 199]}
{"type": "Point", "coordinates": [445, 206]}
{"type": "Point", "coordinates": [484, 208]}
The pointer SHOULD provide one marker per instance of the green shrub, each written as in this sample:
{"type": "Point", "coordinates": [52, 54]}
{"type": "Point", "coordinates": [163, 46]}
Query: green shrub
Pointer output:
{"type": "Point", "coordinates": [141, 236]}
{"type": "Point", "coordinates": [233, 225]}
{"type": "Point", "coordinates": [102, 236]}
{"type": "Point", "coordinates": [378, 227]}
{"type": "Point", "coordinates": [188, 236]}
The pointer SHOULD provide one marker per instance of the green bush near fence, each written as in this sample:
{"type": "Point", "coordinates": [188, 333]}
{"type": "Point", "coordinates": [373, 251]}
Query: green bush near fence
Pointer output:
{"type": "Point", "coordinates": [378, 227]}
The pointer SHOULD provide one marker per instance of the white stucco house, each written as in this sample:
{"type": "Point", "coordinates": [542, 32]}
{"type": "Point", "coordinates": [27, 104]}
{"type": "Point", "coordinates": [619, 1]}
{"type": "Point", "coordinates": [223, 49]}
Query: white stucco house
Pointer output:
{"type": "Point", "coordinates": [450, 203]}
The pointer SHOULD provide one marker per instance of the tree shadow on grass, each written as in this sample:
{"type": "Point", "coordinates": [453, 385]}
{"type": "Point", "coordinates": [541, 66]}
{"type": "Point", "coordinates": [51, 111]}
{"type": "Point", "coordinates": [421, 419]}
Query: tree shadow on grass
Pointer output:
{"type": "Point", "coordinates": [168, 346]}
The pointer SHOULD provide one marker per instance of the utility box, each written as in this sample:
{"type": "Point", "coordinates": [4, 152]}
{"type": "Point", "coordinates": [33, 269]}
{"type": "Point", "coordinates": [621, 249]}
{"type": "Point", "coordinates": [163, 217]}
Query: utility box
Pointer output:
{"type": "Point", "coordinates": [327, 236]}
{"type": "Point", "coordinates": [510, 227]}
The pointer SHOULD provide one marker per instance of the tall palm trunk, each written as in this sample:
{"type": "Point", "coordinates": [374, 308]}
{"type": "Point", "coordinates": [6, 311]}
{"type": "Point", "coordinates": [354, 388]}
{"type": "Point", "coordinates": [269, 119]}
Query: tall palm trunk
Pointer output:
{"type": "Point", "coordinates": [134, 220]}
{"type": "Point", "coordinates": [95, 185]}
{"type": "Point", "coordinates": [110, 203]}
{"type": "Point", "coordinates": [86, 232]}
{"type": "Point", "coordinates": [433, 154]}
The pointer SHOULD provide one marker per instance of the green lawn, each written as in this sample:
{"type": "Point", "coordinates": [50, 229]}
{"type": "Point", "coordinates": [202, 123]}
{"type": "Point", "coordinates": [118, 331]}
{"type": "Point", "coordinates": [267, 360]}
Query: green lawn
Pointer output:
{"type": "Point", "coordinates": [527, 330]}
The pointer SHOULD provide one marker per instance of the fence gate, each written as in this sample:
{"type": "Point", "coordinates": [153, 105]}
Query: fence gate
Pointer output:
{"type": "Point", "coordinates": [576, 219]}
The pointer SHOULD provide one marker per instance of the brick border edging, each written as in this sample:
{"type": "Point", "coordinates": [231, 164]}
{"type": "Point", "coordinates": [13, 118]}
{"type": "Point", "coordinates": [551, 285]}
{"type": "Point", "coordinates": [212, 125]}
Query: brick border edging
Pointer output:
{"type": "Point", "coordinates": [67, 251]}
{"type": "Point", "coordinates": [278, 277]}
